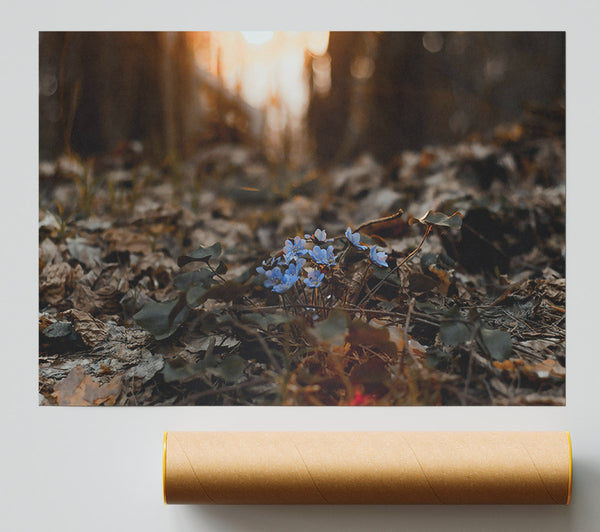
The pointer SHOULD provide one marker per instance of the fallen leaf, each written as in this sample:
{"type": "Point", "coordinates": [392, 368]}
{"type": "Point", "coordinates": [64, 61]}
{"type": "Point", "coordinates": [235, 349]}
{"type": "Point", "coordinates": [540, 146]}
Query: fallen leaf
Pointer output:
{"type": "Point", "coordinates": [454, 332]}
{"type": "Point", "coordinates": [371, 372]}
{"type": "Point", "coordinates": [147, 367]}
{"type": "Point", "coordinates": [546, 369]}
{"type": "Point", "coordinates": [91, 331]}
{"type": "Point", "coordinates": [78, 389]}
{"type": "Point", "coordinates": [83, 252]}
{"type": "Point", "coordinates": [123, 241]}
{"type": "Point", "coordinates": [439, 218]}
{"type": "Point", "coordinates": [56, 280]}
{"type": "Point", "coordinates": [333, 329]}
{"type": "Point", "coordinates": [497, 343]}
{"type": "Point", "coordinates": [156, 317]}
{"type": "Point", "coordinates": [201, 254]}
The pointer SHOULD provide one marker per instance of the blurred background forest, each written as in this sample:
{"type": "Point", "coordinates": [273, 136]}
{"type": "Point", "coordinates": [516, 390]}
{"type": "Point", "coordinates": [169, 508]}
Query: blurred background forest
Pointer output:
{"type": "Point", "coordinates": [156, 144]}
{"type": "Point", "coordinates": [298, 95]}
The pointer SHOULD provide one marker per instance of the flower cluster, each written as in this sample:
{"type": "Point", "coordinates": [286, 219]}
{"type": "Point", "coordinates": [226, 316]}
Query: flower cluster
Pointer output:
{"type": "Point", "coordinates": [279, 281]}
{"type": "Point", "coordinates": [284, 270]}
{"type": "Point", "coordinates": [291, 258]}
{"type": "Point", "coordinates": [292, 250]}
{"type": "Point", "coordinates": [326, 257]}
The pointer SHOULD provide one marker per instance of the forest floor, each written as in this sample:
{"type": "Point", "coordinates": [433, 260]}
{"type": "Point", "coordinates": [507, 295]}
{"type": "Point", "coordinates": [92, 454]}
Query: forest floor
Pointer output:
{"type": "Point", "coordinates": [149, 293]}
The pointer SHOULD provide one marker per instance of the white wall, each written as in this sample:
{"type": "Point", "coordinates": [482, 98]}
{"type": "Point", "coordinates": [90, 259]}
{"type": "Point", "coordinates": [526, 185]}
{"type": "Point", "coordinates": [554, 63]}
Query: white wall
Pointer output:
{"type": "Point", "coordinates": [98, 469]}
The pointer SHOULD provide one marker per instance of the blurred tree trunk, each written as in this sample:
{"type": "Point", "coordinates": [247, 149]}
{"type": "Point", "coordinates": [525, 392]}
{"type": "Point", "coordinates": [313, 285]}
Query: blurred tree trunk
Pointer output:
{"type": "Point", "coordinates": [328, 115]}
{"type": "Point", "coordinates": [392, 91]}
{"type": "Point", "coordinates": [98, 89]}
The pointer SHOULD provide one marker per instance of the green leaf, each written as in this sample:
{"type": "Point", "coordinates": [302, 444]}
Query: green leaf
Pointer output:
{"type": "Point", "coordinates": [156, 318]}
{"type": "Point", "coordinates": [230, 370]}
{"type": "Point", "coordinates": [454, 332]}
{"type": "Point", "coordinates": [221, 268]}
{"type": "Point", "coordinates": [201, 255]}
{"type": "Point", "coordinates": [439, 218]}
{"type": "Point", "coordinates": [498, 344]}
{"type": "Point", "coordinates": [180, 370]}
{"type": "Point", "coordinates": [195, 295]}
{"type": "Point", "coordinates": [332, 330]}
{"type": "Point", "coordinates": [183, 281]}
{"type": "Point", "coordinates": [384, 273]}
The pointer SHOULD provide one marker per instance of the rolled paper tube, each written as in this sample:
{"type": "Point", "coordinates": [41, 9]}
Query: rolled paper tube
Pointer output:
{"type": "Point", "coordinates": [367, 467]}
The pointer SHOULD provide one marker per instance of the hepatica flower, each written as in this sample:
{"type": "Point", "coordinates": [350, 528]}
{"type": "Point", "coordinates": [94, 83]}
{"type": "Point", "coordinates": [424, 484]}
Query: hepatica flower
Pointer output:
{"type": "Point", "coordinates": [378, 258]}
{"type": "Point", "coordinates": [294, 249]}
{"type": "Point", "coordinates": [323, 256]}
{"type": "Point", "coordinates": [314, 279]}
{"type": "Point", "coordinates": [279, 281]}
{"type": "Point", "coordinates": [320, 235]}
{"type": "Point", "coordinates": [354, 239]}
{"type": "Point", "coordinates": [296, 268]}
{"type": "Point", "coordinates": [273, 276]}
{"type": "Point", "coordinates": [288, 279]}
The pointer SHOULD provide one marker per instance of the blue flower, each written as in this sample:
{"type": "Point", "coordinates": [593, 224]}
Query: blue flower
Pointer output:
{"type": "Point", "coordinates": [294, 249]}
{"type": "Point", "coordinates": [281, 282]}
{"type": "Point", "coordinates": [273, 277]}
{"type": "Point", "coordinates": [287, 281]}
{"type": "Point", "coordinates": [314, 279]}
{"type": "Point", "coordinates": [378, 258]}
{"type": "Point", "coordinates": [320, 235]}
{"type": "Point", "coordinates": [354, 239]}
{"type": "Point", "coordinates": [296, 268]}
{"type": "Point", "coordinates": [323, 256]}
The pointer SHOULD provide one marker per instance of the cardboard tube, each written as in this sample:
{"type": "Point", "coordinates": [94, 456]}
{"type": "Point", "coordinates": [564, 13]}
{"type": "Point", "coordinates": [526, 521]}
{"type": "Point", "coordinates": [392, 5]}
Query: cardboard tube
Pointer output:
{"type": "Point", "coordinates": [367, 467]}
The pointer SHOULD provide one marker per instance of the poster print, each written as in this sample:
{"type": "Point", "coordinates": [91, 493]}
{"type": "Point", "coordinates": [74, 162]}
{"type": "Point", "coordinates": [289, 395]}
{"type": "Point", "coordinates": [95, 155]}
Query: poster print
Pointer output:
{"type": "Point", "coordinates": [302, 218]}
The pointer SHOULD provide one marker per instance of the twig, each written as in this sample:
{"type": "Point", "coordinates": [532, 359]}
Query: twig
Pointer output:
{"type": "Point", "coordinates": [232, 388]}
{"type": "Point", "coordinates": [406, 346]}
{"type": "Point", "coordinates": [361, 284]}
{"type": "Point", "coordinates": [261, 341]}
{"type": "Point", "coordinates": [472, 344]}
{"type": "Point", "coordinates": [374, 290]}
{"type": "Point", "coordinates": [423, 318]}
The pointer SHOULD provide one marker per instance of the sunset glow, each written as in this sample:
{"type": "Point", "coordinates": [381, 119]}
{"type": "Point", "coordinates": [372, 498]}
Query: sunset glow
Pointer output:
{"type": "Point", "coordinates": [257, 37]}
{"type": "Point", "coordinates": [267, 69]}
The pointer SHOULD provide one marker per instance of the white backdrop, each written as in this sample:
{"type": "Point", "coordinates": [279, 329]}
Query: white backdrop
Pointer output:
{"type": "Point", "coordinates": [97, 469]}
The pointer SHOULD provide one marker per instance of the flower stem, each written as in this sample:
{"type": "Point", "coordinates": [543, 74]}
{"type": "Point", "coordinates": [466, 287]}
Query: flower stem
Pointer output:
{"type": "Point", "coordinates": [374, 290]}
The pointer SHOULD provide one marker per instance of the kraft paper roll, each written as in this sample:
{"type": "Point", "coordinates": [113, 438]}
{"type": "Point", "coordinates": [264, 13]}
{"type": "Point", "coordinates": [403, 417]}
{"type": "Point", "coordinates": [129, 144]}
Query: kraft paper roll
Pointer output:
{"type": "Point", "coordinates": [367, 468]}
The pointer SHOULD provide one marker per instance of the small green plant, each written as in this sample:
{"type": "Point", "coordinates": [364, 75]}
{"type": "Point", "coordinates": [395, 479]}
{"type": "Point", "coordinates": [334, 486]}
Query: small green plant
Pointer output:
{"type": "Point", "coordinates": [87, 186]}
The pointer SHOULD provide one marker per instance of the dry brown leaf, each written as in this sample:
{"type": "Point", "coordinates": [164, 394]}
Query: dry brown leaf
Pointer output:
{"type": "Point", "coordinates": [56, 280]}
{"type": "Point", "coordinates": [546, 369]}
{"type": "Point", "coordinates": [157, 263]}
{"type": "Point", "coordinates": [49, 253]}
{"type": "Point", "coordinates": [92, 331]}
{"type": "Point", "coordinates": [123, 240]}
{"type": "Point", "coordinates": [444, 278]}
{"type": "Point", "coordinates": [80, 389]}
{"type": "Point", "coordinates": [104, 299]}
{"type": "Point", "coordinates": [397, 337]}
